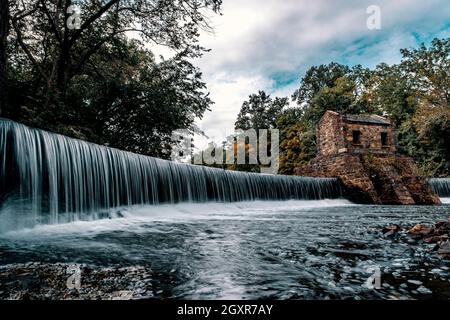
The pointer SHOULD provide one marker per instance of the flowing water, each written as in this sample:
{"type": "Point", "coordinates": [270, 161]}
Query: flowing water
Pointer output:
{"type": "Point", "coordinates": [441, 186]}
{"type": "Point", "coordinates": [250, 250]}
{"type": "Point", "coordinates": [205, 233]}
{"type": "Point", "coordinates": [50, 178]}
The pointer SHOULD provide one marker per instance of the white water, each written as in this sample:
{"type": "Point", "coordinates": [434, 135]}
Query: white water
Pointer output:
{"type": "Point", "coordinates": [250, 250]}
{"type": "Point", "coordinates": [136, 218]}
{"type": "Point", "coordinates": [441, 186]}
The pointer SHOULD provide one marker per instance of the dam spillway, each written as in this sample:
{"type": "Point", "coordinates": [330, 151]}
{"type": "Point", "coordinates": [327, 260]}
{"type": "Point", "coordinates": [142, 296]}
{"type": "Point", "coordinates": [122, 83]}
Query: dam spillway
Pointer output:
{"type": "Point", "coordinates": [44, 176]}
{"type": "Point", "coordinates": [441, 186]}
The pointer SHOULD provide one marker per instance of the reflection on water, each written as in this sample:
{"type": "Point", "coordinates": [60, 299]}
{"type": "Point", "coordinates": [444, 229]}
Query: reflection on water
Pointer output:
{"type": "Point", "coordinates": [282, 250]}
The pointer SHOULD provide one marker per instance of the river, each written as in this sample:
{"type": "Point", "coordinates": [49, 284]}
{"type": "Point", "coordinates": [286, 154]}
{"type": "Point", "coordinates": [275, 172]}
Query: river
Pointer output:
{"type": "Point", "coordinates": [316, 249]}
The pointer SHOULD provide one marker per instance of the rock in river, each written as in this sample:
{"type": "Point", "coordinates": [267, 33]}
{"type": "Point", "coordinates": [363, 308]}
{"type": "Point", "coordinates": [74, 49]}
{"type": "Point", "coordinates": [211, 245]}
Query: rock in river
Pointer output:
{"type": "Point", "coordinates": [444, 250]}
{"type": "Point", "coordinates": [420, 229]}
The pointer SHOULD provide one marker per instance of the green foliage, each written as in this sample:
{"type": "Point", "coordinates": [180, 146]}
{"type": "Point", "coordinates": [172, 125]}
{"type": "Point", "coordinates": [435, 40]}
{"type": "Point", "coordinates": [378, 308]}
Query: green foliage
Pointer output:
{"type": "Point", "coordinates": [260, 112]}
{"type": "Point", "coordinates": [297, 140]}
{"type": "Point", "coordinates": [297, 147]}
{"type": "Point", "coordinates": [414, 93]}
{"type": "Point", "coordinates": [317, 78]}
{"type": "Point", "coordinates": [389, 91]}
{"type": "Point", "coordinates": [100, 82]}
{"type": "Point", "coordinates": [428, 72]}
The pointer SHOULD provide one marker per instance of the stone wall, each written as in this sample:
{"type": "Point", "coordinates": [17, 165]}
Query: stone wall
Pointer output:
{"type": "Point", "coordinates": [329, 133]}
{"type": "Point", "coordinates": [370, 172]}
{"type": "Point", "coordinates": [374, 179]}
{"type": "Point", "coordinates": [370, 138]}
{"type": "Point", "coordinates": [335, 135]}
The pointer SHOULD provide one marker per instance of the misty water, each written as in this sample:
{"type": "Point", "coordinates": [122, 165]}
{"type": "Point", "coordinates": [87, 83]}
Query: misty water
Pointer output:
{"type": "Point", "coordinates": [249, 250]}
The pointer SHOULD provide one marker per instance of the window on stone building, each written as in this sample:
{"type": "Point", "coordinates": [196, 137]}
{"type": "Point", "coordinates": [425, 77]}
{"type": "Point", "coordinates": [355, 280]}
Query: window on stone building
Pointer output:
{"type": "Point", "coordinates": [356, 136]}
{"type": "Point", "coordinates": [384, 140]}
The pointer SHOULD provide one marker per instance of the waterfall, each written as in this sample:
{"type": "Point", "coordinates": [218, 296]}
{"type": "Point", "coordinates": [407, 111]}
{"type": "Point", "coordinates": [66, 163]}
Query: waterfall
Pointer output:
{"type": "Point", "coordinates": [46, 176]}
{"type": "Point", "coordinates": [441, 186]}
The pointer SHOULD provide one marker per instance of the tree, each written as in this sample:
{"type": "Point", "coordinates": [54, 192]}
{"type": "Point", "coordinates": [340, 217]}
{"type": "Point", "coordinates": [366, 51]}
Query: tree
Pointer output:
{"type": "Point", "coordinates": [260, 112]}
{"type": "Point", "coordinates": [390, 92]}
{"type": "Point", "coordinates": [98, 80]}
{"type": "Point", "coordinates": [342, 97]}
{"type": "Point", "coordinates": [55, 50]}
{"type": "Point", "coordinates": [297, 140]}
{"type": "Point", "coordinates": [316, 78]}
{"type": "Point", "coordinates": [4, 28]}
{"type": "Point", "coordinates": [130, 102]}
{"type": "Point", "coordinates": [139, 113]}
{"type": "Point", "coordinates": [332, 87]}
{"type": "Point", "coordinates": [429, 71]}
{"type": "Point", "coordinates": [47, 33]}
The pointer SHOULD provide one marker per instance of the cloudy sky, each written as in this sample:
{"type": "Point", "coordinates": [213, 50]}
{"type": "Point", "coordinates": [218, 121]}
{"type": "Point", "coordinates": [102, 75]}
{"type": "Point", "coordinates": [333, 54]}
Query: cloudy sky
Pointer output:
{"type": "Point", "coordinates": [268, 45]}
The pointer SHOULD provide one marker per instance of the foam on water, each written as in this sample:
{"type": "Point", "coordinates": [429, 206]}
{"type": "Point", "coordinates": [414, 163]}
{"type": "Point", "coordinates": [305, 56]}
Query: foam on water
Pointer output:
{"type": "Point", "coordinates": [133, 218]}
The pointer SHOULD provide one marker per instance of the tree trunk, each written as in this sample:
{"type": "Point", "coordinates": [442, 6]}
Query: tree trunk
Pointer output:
{"type": "Point", "coordinates": [4, 23]}
{"type": "Point", "coordinates": [64, 54]}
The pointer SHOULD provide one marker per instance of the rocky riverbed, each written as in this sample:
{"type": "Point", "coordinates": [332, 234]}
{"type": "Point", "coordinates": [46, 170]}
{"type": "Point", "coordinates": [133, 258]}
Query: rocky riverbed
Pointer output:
{"type": "Point", "coordinates": [62, 281]}
{"type": "Point", "coordinates": [438, 234]}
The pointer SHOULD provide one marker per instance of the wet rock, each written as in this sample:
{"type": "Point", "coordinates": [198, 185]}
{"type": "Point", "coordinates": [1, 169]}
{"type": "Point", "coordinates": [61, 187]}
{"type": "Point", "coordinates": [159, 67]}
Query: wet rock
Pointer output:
{"type": "Point", "coordinates": [40, 281]}
{"type": "Point", "coordinates": [392, 228]}
{"type": "Point", "coordinates": [424, 290]}
{"type": "Point", "coordinates": [416, 282]}
{"type": "Point", "coordinates": [444, 250]}
{"type": "Point", "coordinates": [433, 239]}
{"type": "Point", "coordinates": [420, 229]}
{"type": "Point", "coordinates": [442, 227]}
{"type": "Point", "coordinates": [438, 235]}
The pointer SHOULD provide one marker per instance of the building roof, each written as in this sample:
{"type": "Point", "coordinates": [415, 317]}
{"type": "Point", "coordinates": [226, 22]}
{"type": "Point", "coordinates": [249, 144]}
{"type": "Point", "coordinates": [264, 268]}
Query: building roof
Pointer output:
{"type": "Point", "coordinates": [371, 119]}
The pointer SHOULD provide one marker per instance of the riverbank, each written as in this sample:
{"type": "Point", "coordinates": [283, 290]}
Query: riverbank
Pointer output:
{"type": "Point", "coordinates": [62, 281]}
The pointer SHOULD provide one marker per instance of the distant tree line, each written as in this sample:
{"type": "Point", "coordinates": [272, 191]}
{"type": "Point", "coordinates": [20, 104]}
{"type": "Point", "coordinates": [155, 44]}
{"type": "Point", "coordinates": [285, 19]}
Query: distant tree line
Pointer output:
{"type": "Point", "coordinates": [415, 93]}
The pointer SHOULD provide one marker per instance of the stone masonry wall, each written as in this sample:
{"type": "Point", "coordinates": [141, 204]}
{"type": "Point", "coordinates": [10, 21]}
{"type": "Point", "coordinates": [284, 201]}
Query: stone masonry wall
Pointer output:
{"type": "Point", "coordinates": [370, 172]}
{"type": "Point", "coordinates": [374, 179]}
{"type": "Point", "coordinates": [329, 134]}
{"type": "Point", "coordinates": [335, 136]}
{"type": "Point", "coordinates": [370, 138]}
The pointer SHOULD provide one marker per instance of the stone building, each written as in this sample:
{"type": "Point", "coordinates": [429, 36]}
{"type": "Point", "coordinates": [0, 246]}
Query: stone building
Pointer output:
{"type": "Point", "coordinates": [360, 150]}
{"type": "Point", "coordinates": [355, 134]}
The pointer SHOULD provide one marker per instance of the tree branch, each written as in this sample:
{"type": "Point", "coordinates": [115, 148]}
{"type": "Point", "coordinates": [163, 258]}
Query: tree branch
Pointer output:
{"type": "Point", "coordinates": [52, 21]}
{"type": "Point", "coordinates": [93, 49]}
{"type": "Point", "coordinates": [91, 20]}
{"type": "Point", "coordinates": [25, 48]}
